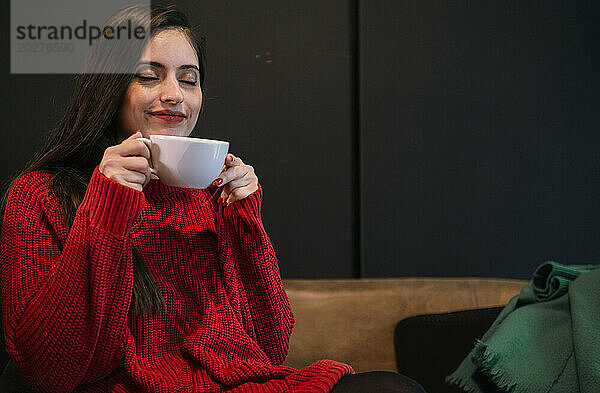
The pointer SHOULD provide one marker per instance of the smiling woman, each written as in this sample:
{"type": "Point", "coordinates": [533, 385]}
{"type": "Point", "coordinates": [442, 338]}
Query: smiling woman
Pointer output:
{"type": "Point", "coordinates": [115, 282]}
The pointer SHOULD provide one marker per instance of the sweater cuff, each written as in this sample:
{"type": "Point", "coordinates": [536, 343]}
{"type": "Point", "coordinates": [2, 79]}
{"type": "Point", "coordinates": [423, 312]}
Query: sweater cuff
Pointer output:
{"type": "Point", "coordinates": [246, 210]}
{"type": "Point", "coordinates": [110, 205]}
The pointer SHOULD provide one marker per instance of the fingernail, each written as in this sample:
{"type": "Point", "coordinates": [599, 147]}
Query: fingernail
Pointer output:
{"type": "Point", "coordinates": [219, 181]}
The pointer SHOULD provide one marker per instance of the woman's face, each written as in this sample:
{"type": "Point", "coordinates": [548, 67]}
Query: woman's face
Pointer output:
{"type": "Point", "coordinates": [165, 96]}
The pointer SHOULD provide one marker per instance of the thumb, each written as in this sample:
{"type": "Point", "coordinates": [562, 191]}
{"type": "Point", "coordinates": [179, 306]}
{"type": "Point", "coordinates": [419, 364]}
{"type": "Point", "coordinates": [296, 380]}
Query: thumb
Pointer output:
{"type": "Point", "coordinates": [135, 135]}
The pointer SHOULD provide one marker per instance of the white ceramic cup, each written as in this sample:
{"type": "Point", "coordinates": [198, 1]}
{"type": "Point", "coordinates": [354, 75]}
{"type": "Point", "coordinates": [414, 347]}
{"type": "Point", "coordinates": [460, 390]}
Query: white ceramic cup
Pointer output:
{"type": "Point", "coordinates": [186, 162]}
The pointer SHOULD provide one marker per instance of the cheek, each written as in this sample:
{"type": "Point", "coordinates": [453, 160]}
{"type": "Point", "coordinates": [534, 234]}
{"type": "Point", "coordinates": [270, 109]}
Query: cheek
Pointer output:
{"type": "Point", "coordinates": [132, 110]}
{"type": "Point", "coordinates": [140, 99]}
{"type": "Point", "coordinates": [195, 103]}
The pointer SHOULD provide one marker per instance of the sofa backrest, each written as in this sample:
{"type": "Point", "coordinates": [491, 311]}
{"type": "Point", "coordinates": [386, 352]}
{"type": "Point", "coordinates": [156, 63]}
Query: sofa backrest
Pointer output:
{"type": "Point", "coordinates": [353, 321]}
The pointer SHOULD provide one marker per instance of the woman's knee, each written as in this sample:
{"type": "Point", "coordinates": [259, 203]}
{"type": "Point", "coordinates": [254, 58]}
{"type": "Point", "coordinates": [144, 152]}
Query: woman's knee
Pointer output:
{"type": "Point", "coordinates": [377, 382]}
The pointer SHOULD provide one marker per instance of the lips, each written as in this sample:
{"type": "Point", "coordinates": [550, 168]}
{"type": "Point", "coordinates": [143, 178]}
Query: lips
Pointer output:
{"type": "Point", "coordinates": [169, 116]}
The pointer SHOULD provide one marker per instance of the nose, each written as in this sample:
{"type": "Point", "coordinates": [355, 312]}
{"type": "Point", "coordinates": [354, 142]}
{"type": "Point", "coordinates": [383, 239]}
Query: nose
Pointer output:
{"type": "Point", "coordinates": [171, 91]}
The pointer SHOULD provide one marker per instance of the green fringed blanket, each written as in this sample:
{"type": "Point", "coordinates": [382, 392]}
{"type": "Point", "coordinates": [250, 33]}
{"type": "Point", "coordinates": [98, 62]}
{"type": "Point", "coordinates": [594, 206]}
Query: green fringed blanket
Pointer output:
{"type": "Point", "coordinates": [546, 340]}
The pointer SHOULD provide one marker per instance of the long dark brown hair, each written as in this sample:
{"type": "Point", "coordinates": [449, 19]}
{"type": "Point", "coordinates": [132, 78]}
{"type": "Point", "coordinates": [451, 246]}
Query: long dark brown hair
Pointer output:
{"type": "Point", "coordinates": [89, 126]}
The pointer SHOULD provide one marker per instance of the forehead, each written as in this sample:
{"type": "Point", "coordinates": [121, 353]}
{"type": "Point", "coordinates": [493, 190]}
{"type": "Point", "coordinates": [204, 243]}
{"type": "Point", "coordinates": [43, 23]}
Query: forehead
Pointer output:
{"type": "Point", "coordinates": [170, 48]}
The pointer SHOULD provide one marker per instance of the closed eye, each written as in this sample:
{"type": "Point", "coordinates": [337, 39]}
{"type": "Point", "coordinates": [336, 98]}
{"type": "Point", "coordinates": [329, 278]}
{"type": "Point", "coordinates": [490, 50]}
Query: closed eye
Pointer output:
{"type": "Point", "coordinates": [150, 78]}
{"type": "Point", "coordinates": [146, 78]}
{"type": "Point", "coordinates": [191, 83]}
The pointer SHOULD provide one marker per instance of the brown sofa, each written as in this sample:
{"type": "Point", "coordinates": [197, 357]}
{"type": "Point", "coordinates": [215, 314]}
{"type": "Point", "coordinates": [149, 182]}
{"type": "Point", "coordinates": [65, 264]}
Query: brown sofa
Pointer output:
{"type": "Point", "coordinates": [353, 321]}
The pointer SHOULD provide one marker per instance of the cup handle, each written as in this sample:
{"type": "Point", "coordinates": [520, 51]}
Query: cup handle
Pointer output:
{"type": "Point", "coordinates": [153, 173]}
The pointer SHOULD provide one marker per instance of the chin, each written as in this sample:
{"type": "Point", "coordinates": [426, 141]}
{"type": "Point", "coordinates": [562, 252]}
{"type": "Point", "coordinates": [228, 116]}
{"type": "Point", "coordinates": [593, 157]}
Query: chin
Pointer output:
{"type": "Point", "coordinates": [171, 132]}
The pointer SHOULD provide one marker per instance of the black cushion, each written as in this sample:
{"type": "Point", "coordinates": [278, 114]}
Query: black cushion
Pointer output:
{"type": "Point", "coordinates": [429, 347]}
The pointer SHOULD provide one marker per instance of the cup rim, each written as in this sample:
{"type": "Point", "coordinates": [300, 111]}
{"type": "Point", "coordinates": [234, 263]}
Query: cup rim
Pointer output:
{"type": "Point", "coordinates": [188, 138]}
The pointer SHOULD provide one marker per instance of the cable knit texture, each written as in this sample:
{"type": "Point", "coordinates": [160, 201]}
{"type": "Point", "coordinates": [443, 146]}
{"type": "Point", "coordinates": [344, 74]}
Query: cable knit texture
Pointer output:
{"type": "Point", "coordinates": [66, 294]}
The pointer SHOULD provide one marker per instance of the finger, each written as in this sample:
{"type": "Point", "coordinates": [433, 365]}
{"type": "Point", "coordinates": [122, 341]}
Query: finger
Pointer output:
{"type": "Point", "coordinates": [139, 148]}
{"type": "Point", "coordinates": [227, 190]}
{"type": "Point", "coordinates": [233, 173]}
{"type": "Point", "coordinates": [132, 147]}
{"type": "Point", "coordinates": [230, 188]}
{"type": "Point", "coordinates": [146, 182]}
{"type": "Point", "coordinates": [135, 135]}
{"type": "Point", "coordinates": [232, 160]}
{"type": "Point", "coordinates": [136, 163]}
{"type": "Point", "coordinates": [134, 177]}
{"type": "Point", "coordinates": [116, 165]}
{"type": "Point", "coordinates": [235, 195]}
{"type": "Point", "coordinates": [240, 193]}
{"type": "Point", "coordinates": [229, 196]}
{"type": "Point", "coordinates": [126, 179]}
{"type": "Point", "coordinates": [130, 179]}
{"type": "Point", "coordinates": [135, 186]}
{"type": "Point", "coordinates": [216, 182]}
{"type": "Point", "coordinates": [237, 183]}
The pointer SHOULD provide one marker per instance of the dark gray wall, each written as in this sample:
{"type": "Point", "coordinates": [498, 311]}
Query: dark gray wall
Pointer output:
{"type": "Point", "coordinates": [393, 138]}
{"type": "Point", "coordinates": [479, 136]}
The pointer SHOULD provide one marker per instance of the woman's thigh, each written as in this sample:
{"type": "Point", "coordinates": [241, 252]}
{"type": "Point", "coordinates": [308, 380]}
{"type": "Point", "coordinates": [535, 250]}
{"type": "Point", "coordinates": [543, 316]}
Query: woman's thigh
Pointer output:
{"type": "Point", "coordinates": [377, 382]}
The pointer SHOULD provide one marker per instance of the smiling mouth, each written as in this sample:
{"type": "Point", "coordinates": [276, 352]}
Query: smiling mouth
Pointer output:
{"type": "Point", "coordinates": [169, 116]}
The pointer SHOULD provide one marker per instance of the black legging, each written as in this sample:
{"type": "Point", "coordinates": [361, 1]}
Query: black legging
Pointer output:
{"type": "Point", "coordinates": [369, 382]}
{"type": "Point", "coordinates": [377, 382]}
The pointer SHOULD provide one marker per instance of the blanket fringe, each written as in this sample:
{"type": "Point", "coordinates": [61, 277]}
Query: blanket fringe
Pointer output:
{"type": "Point", "coordinates": [487, 364]}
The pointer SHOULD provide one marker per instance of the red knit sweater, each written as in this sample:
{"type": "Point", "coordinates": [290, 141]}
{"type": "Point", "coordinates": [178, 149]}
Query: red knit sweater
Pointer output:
{"type": "Point", "coordinates": [66, 294]}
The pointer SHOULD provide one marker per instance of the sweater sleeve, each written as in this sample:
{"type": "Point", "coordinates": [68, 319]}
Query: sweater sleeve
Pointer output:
{"type": "Point", "coordinates": [252, 275]}
{"type": "Point", "coordinates": [65, 303]}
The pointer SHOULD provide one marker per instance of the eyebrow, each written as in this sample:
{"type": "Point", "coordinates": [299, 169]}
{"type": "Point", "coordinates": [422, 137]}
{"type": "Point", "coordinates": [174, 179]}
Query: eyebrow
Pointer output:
{"type": "Point", "coordinates": [159, 65]}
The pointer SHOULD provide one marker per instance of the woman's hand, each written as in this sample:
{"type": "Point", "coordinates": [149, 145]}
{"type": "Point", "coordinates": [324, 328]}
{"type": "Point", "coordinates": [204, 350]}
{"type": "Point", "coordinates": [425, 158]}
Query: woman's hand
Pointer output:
{"type": "Point", "coordinates": [127, 163]}
{"type": "Point", "coordinates": [237, 179]}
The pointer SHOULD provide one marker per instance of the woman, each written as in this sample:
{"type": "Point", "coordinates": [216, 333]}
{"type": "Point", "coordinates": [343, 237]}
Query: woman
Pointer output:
{"type": "Point", "coordinates": [115, 282]}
